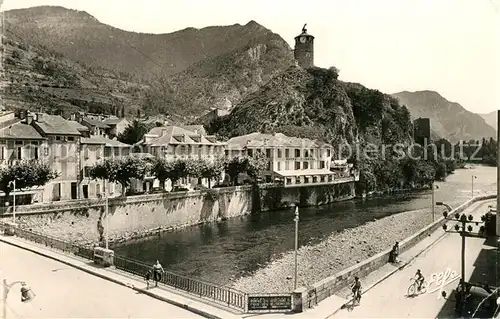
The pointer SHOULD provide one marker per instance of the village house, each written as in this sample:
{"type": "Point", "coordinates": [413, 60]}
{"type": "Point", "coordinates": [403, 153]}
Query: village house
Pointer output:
{"type": "Point", "coordinates": [174, 142]}
{"type": "Point", "coordinates": [292, 161]}
{"type": "Point", "coordinates": [18, 142]}
{"type": "Point", "coordinates": [62, 152]}
{"type": "Point", "coordinates": [93, 150]}
{"type": "Point", "coordinates": [116, 126]}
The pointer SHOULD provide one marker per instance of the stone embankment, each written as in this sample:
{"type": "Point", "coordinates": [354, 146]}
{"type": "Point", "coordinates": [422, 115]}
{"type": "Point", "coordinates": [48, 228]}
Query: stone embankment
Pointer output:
{"type": "Point", "coordinates": [337, 252]}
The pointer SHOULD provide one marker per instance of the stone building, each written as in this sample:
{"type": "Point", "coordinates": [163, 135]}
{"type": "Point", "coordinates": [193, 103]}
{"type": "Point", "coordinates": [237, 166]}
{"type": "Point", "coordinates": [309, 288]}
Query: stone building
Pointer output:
{"type": "Point", "coordinates": [304, 49]}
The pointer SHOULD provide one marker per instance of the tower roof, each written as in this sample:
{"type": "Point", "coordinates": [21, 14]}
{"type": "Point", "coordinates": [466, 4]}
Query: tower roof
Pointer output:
{"type": "Point", "coordinates": [304, 32]}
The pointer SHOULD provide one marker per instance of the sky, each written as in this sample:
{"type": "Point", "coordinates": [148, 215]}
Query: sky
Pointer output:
{"type": "Point", "coordinates": [448, 46]}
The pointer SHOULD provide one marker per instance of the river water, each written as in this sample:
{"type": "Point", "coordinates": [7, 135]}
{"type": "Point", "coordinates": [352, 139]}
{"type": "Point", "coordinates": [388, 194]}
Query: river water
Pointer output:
{"type": "Point", "coordinates": [221, 252]}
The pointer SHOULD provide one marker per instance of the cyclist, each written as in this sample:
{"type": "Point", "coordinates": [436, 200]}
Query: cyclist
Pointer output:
{"type": "Point", "coordinates": [419, 279]}
{"type": "Point", "coordinates": [356, 289]}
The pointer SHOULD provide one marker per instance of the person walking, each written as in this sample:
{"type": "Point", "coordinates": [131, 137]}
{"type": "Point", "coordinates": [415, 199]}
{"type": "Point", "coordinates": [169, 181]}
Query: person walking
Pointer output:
{"type": "Point", "coordinates": [148, 276]}
{"type": "Point", "coordinates": [394, 253]}
{"type": "Point", "coordinates": [158, 271]}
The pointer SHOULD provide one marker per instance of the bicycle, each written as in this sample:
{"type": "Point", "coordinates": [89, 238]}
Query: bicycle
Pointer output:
{"type": "Point", "coordinates": [356, 297]}
{"type": "Point", "coordinates": [413, 289]}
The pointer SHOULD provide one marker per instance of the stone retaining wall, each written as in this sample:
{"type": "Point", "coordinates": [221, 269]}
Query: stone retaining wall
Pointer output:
{"type": "Point", "coordinates": [84, 222]}
{"type": "Point", "coordinates": [305, 297]}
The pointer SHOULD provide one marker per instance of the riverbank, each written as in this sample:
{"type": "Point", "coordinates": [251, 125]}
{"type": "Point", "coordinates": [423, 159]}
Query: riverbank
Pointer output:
{"type": "Point", "coordinates": [337, 252]}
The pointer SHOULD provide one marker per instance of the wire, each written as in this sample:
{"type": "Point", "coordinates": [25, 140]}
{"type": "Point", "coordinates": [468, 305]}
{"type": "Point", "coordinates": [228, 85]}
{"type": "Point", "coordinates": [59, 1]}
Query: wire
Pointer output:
{"type": "Point", "coordinates": [482, 301]}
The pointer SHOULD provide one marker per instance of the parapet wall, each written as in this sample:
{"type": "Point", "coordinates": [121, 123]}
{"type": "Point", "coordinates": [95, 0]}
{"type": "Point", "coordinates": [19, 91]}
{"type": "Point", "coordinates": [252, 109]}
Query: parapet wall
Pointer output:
{"type": "Point", "coordinates": [84, 222]}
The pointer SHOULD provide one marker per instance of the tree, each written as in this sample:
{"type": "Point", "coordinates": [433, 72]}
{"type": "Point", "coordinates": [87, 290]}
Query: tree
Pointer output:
{"type": "Point", "coordinates": [234, 167]}
{"type": "Point", "coordinates": [120, 170]}
{"type": "Point", "coordinates": [26, 174]}
{"type": "Point", "coordinates": [133, 133]}
{"type": "Point", "coordinates": [162, 170]}
{"type": "Point", "coordinates": [253, 166]}
{"type": "Point", "coordinates": [210, 169]}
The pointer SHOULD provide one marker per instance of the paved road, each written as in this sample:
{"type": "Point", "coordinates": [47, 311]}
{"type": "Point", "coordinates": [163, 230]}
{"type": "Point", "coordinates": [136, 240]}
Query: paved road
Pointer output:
{"type": "Point", "coordinates": [389, 300]}
{"type": "Point", "coordinates": [65, 292]}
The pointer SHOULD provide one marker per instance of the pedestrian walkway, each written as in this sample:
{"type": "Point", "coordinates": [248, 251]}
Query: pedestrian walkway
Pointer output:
{"type": "Point", "coordinates": [330, 307]}
{"type": "Point", "coordinates": [385, 290]}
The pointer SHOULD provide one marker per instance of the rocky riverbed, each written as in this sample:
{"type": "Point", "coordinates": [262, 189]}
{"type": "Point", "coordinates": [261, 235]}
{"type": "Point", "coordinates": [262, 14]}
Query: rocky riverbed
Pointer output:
{"type": "Point", "coordinates": [337, 252]}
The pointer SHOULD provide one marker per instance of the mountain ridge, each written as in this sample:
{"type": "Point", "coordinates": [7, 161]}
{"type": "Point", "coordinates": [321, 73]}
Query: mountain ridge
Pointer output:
{"type": "Point", "coordinates": [449, 120]}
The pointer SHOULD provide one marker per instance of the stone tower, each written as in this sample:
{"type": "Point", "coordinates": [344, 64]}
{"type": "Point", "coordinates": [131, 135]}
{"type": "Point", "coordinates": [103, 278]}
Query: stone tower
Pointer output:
{"type": "Point", "coordinates": [304, 49]}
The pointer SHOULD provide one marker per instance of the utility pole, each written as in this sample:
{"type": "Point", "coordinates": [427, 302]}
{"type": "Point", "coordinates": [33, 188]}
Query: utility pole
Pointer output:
{"type": "Point", "coordinates": [296, 219]}
{"type": "Point", "coordinates": [434, 186]}
{"type": "Point", "coordinates": [106, 212]}
{"type": "Point", "coordinates": [13, 201]}
{"type": "Point", "coordinates": [464, 231]}
{"type": "Point", "coordinates": [472, 184]}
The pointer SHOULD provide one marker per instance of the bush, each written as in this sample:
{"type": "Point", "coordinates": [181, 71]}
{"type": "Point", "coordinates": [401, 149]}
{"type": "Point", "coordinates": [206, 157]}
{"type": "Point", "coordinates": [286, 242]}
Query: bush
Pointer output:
{"type": "Point", "coordinates": [211, 195]}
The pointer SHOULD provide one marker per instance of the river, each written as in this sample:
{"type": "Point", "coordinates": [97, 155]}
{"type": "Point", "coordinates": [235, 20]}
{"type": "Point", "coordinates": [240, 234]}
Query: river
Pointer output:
{"type": "Point", "coordinates": [220, 252]}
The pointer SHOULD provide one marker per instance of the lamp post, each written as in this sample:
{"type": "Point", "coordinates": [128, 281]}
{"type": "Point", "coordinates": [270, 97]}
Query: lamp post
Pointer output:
{"type": "Point", "coordinates": [26, 294]}
{"type": "Point", "coordinates": [106, 212]}
{"type": "Point", "coordinates": [434, 186]}
{"type": "Point", "coordinates": [472, 184]}
{"type": "Point", "coordinates": [464, 231]}
{"type": "Point", "coordinates": [296, 219]}
{"type": "Point", "coordinates": [13, 183]}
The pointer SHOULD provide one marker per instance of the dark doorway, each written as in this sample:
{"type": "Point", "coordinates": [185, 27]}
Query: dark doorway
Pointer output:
{"type": "Point", "coordinates": [74, 192]}
{"type": "Point", "coordinates": [85, 190]}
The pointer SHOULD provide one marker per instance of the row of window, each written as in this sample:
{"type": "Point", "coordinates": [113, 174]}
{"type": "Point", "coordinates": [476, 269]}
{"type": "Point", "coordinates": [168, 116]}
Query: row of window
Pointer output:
{"type": "Point", "coordinates": [298, 165]}
{"type": "Point", "coordinates": [307, 179]}
{"type": "Point", "coordinates": [297, 152]}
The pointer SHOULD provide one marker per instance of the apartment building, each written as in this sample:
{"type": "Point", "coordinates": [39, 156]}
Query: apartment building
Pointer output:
{"type": "Point", "coordinates": [62, 150]}
{"type": "Point", "coordinates": [93, 150]}
{"type": "Point", "coordinates": [291, 160]}
{"type": "Point", "coordinates": [174, 142]}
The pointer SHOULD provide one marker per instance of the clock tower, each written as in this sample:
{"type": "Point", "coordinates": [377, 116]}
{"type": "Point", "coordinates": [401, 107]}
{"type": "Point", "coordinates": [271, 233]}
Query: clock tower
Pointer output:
{"type": "Point", "coordinates": [304, 49]}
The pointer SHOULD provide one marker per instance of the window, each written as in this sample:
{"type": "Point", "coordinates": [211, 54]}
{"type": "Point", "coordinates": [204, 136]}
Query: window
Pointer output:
{"type": "Point", "coordinates": [280, 153]}
{"type": "Point", "coordinates": [288, 180]}
{"type": "Point", "coordinates": [19, 153]}
{"type": "Point", "coordinates": [328, 153]}
{"type": "Point", "coordinates": [329, 178]}
{"type": "Point", "coordinates": [2, 152]}
{"type": "Point", "coordinates": [315, 179]}
{"type": "Point", "coordinates": [19, 142]}
{"type": "Point", "coordinates": [306, 180]}
{"type": "Point", "coordinates": [86, 152]}
{"type": "Point", "coordinates": [58, 138]}
{"type": "Point", "coordinates": [306, 153]}
{"type": "Point", "coordinates": [268, 167]}
{"type": "Point", "coordinates": [250, 152]}
{"type": "Point", "coordinates": [226, 152]}
{"type": "Point", "coordinates": [287, 153]}
{"type": "Point", "coordinates": [35, 155]}
{"type": "Point", "coordinates": [116, 151]}
{"type": "Point", "coordinates": [86, 171]}
{"type": "Point", "coordinates": [279, 166]}
{"type": "Point", "coordinates": [297, 165]}
{"type": "Point", "coordinates": [287, 165]}
{"type": "Point", "coordinates": [297, 152]}
{"type": "Point", "coordinates": [268, 152]}
{"type": "Point", "coordinates": [63, 151]}
{"type": "Point", "coordinates": [305, 165]}
{"type": "Point", "coordinates": [98, 152]}
{"type": "Point", "coordinates": [322, 179]}
{"type": "Point", "coordinates": [71, 138]}
{"type": "Point", "coordinates": [311, 153]}
{"type": "Point", "coordinates": [322, 164]}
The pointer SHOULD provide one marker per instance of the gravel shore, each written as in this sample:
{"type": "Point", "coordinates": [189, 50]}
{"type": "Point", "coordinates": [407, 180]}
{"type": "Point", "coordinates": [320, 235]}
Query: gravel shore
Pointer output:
{"type": "Point", "coordinates": [337, 252]}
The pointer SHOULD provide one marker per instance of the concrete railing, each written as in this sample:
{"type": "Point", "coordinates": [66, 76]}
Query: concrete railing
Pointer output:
{"type": "Point", "coordinates": [307, 297]}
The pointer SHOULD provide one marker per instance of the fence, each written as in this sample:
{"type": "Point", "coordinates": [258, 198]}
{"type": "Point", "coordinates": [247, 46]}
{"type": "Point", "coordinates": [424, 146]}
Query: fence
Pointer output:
{"type": "Point", "coordinates": [53, 242]}
{"type": "Point", "coordinates": [223, 295]}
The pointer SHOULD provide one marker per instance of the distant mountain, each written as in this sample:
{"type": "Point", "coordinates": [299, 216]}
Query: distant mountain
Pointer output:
{"type": "Point", "coordinates": [36, 78]}
{"type": "Point", "coordinates": [448, 119]}
{"type": "Point", "coordinates": [81, 37]}
{"type": "Point", "coordinates": [490, 119]}
{"type": "Point", "coordinates": [183, 73]}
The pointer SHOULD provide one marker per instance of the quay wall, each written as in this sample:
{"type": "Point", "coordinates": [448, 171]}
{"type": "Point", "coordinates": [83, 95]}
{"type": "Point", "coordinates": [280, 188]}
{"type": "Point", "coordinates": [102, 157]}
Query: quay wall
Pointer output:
{"type": "Point", "coordinates": [132, 217]}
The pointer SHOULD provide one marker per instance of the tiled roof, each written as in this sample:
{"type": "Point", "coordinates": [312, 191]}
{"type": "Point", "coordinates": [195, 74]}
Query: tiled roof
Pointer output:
{"type": "Point", "coordinates": [271, 140]}
{"type": "Point", "coordinates": [103, 140]}
{"type": "Point", "coordinates": [78, 126]}
{"type": "Point", "coordinates": [201, 130]}
{"type": "Point", "coordinates": [95, 122]}
{"type": "Point", "coordinates": [178, 135]}
{"type": "Point", "coordinates": [20, 131]}
{"type": "Point", "coordinates": [55, 124]}
{"type": "Point", "coordinates": [113, 121]}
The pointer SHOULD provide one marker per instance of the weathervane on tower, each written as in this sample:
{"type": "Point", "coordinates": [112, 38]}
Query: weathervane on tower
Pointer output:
{"type": "Point", "coordinates": [304, 30]}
